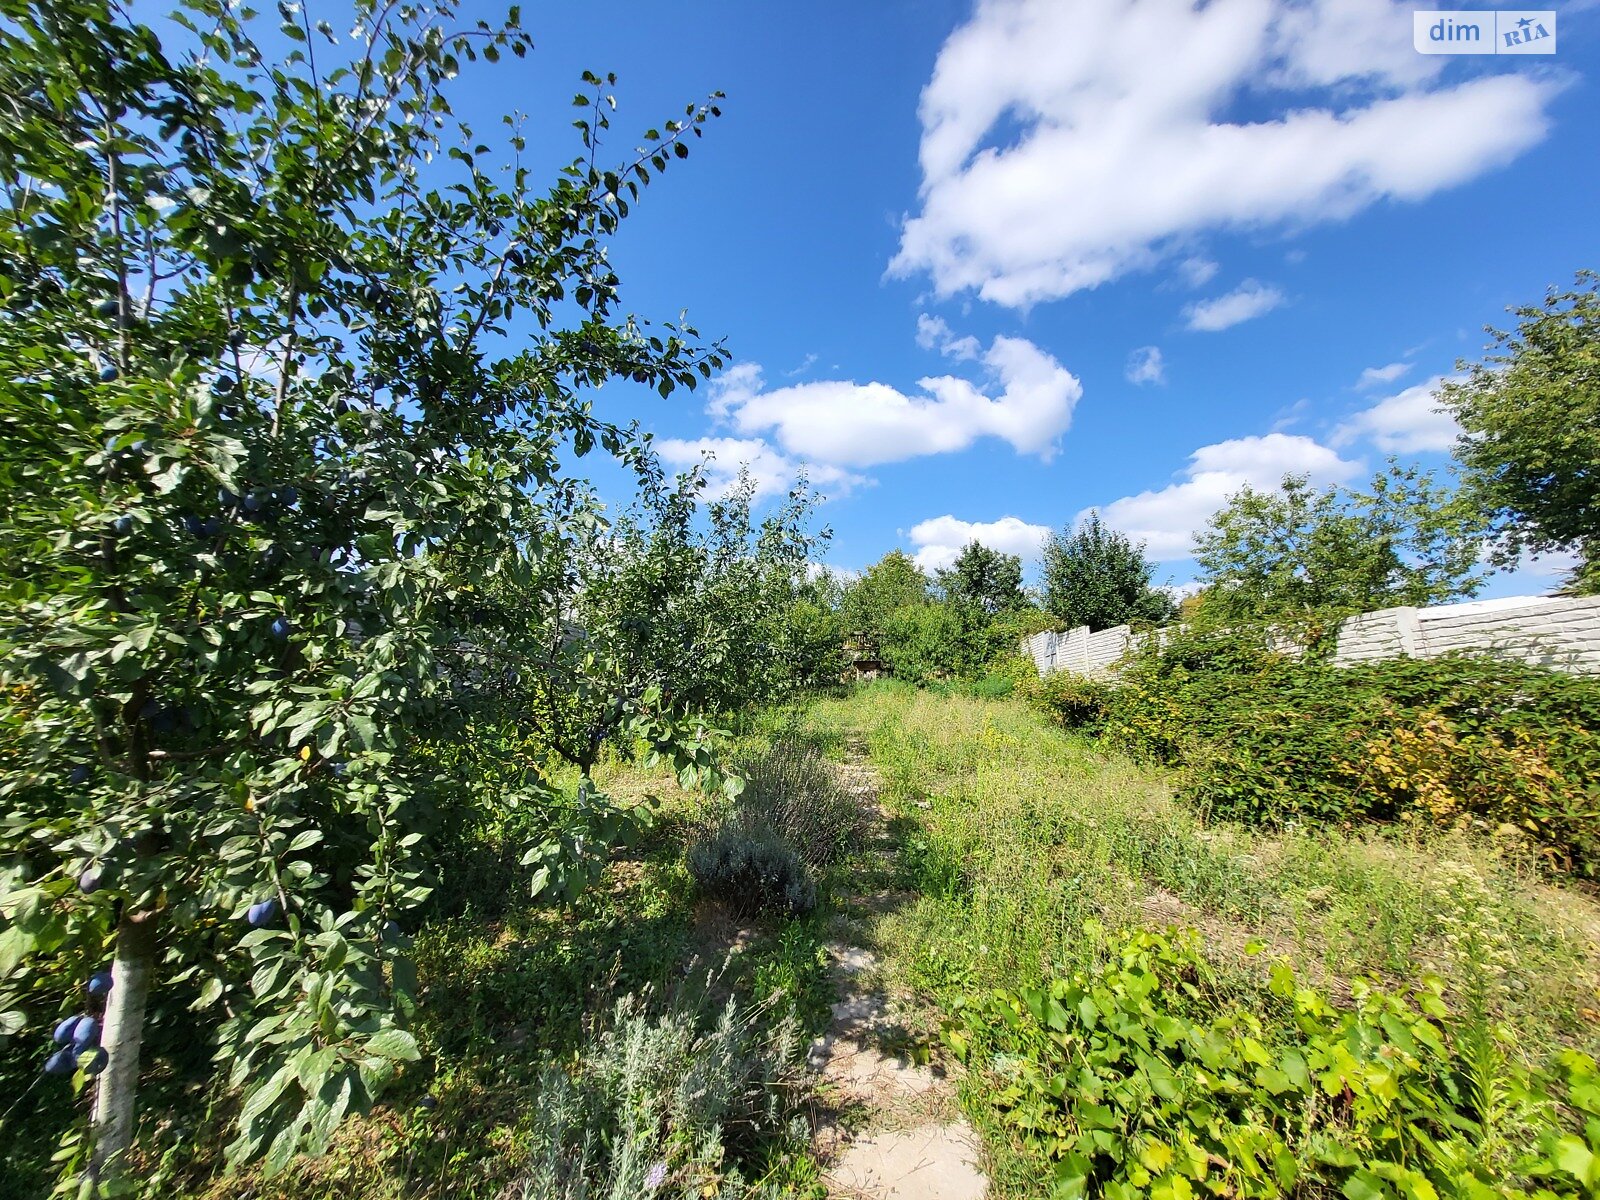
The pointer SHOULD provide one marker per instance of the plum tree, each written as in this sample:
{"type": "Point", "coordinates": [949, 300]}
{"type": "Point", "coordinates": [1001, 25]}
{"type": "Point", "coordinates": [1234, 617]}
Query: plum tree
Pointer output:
{"type": "Point", "coordinates": [409, 330]}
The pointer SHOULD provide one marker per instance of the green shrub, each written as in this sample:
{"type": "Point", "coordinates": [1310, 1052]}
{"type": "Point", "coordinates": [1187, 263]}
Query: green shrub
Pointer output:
{"type": "Point", "coordinates": [926, 642]}
{"type": "Point", "coordinates": [752, 870]}
{"type": "Point", "coordinates": [1268, 738]}
{"type": "Point", "coordinates": [1072, 701]}
{"type": "Point", "coordinates": [1142, 1081]}
{"type": "Point", "coordinates": [660, 1105]}
{"type": "Point", "coordinates": [790, 789]}
{"type": "Point", "coordinates": [1007, 674]}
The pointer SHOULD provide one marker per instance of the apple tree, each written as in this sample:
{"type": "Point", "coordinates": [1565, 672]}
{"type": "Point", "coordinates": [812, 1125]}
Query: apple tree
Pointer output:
{"type": "Point", "coordinates": [290, 362]}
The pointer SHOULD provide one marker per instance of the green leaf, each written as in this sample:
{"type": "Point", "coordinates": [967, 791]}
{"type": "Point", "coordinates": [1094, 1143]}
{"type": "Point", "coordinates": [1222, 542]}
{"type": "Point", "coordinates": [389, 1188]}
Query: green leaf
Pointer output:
{"type": "Point", "coordinates": [394, 1044]}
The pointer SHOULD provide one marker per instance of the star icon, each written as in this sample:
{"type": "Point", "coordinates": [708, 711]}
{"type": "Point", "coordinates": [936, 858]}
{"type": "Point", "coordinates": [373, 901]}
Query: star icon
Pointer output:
{"type": "Point", "coordinates": [1524, 23]}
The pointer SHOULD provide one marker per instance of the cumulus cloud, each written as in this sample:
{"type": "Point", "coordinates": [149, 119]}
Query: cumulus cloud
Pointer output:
{"type": "Point", "coordinates": [863, 424]}
{"type": "Point", "coordinates": [934, 334]}
{"type": "Point", "coordinates": [1197, 272]}
{"type": "Point", "coordinates": [1373, 376]}
{"type": "Point", "coordinates": [1406, 423]}
{"type": "Point", "coordinates": [1145, 366]}
{"type": "Point", "coordinates": [1247, 301]}
{"type": "Point", "coordinates": [1064, 145]}
{"type": "Point", "coordinates": [773, 472]}
{"type": "Point", "coordinates": [1182, 591]}
{"type": "Point", "coordinates": [940, 539]}
{"type": "Point", "coordinates": [1166, 519]}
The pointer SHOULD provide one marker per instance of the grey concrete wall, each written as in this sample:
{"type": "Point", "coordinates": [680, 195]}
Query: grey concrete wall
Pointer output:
{"type": "Point", "coordinates": [1551, 631]}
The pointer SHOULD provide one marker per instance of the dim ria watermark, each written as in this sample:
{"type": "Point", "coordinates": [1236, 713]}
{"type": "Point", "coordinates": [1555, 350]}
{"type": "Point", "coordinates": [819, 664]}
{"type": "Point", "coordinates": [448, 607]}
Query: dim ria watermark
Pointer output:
{"type": "Point", "coordinates": [1483, 31]}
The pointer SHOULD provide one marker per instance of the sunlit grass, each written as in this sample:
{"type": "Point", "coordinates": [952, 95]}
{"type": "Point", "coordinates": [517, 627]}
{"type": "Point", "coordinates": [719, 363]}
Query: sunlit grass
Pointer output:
{"type": "Point", "coordinates": [1029, 849]}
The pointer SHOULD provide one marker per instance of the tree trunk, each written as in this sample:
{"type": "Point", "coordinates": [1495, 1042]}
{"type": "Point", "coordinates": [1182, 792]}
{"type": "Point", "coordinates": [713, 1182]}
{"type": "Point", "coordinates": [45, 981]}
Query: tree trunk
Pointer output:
{"type": "Point", "coordinates": [122, 1037]}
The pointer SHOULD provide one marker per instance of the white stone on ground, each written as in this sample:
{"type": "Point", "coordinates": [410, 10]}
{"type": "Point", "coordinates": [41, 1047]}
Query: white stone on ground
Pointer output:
{"type": "Point", "coordinates": [931, 1162]}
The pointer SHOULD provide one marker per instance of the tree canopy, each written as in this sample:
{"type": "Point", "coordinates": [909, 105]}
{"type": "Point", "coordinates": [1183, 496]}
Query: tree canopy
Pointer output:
{"type": "Point", "coordinates": [891, 583]}
{"type": "Point", "coordinates": [1096, 576]}
{"type": "Point", "coordinates": [990, 579]}
{"type": "Point", "coordinates": [1297, 550]}
{"type": "Point", "coordinates": [1530, 431]}
{"type": "Point", "coordinates": [290, 366]}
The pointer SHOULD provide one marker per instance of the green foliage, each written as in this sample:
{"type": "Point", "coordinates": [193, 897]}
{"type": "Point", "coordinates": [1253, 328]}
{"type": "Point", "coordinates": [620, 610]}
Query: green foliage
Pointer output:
{"type": "Point", "coordinates": [892, 583]}
{"type": "Point", "coordinates": [925, 642]}
{"type": "Point", "coordinates": [1474, 740]}
{"type": "Point", "coordinates": [1097, 577]}
{"type": "Point", "coordinates": [1015, 833]}
{"type": "Point", "coordinates": [744, 864]}
{"type": "Point", "coordinates": [1268, 555]}
{"type": "Point", "coordinates": [984, 577]}
{"type": "Point", "coordinates": [1141, 1079]}
{"type": "Point", "coordinates": [1071, 700]}
{"type": "Point", "coordinates": [1006, 674]}
{"type": "Point", "coordinates": [267, 461]}
{"type": "Point", "coordinates": [1530, 421]}
{"type": "Point", "coordinates": [698, 609]}
{"type": "Point", "coordinates": [669, 1104]}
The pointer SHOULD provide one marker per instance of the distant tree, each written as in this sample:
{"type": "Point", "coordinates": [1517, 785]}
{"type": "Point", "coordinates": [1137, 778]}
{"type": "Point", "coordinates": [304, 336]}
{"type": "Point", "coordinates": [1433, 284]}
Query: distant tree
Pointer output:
{"type": "Point", "coordinates": [686, 601]}
{"type": "Point", "coordinates": [987, 578]}
{"type": "Point", "coordinates": [924, 642]}
{"type": "Point", "coordinates": [1096, 576]}
{"type": "Point", "coordinates": [1297, 550]}
{"type": "Point", "coordinates": [1530, 440]}
{"type": "Point", "coordinates": [891, 583]}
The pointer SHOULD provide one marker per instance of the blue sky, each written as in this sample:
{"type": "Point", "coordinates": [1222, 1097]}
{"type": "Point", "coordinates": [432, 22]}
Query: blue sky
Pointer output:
{"type": "Point", "coordinates": [981, 268]}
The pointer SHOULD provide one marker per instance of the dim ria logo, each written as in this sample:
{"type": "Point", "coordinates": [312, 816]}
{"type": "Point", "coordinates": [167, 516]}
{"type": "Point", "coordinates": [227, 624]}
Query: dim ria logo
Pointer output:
{"type": "Point", "coordinates": [1437, 31]}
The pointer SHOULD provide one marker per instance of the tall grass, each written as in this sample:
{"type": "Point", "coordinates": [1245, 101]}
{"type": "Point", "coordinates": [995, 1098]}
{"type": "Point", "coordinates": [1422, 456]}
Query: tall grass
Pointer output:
{"type": "Point", "coordinates": [1029, 850]}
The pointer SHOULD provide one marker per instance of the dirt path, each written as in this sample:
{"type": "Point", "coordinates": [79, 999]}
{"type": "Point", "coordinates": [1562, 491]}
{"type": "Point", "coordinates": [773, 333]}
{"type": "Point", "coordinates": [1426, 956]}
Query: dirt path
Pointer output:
{"type": "Point", "coordinates": [893, 1128]}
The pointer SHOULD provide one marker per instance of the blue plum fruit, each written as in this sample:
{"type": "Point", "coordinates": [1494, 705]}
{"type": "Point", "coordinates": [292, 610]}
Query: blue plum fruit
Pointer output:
{"type": "Point", "coordinates": [100, 984]}
{"type": "Point", "coordinates": [263, 914]}
{"type": "Point", "coordinates": [65, 1029]}
{"type": "Point", "coordinates": [62, 1062]}
{"type": "Point", "coordinates": [85, 1034]}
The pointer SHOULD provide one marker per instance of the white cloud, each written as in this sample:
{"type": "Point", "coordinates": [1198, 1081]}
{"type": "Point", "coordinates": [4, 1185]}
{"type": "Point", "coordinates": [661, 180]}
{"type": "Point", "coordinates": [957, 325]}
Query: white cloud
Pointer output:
{"type": "Point", "coordinates": [1181, 591]}
{"type": "Point", "coordinates": [773, 472]}
{"type": "Point", "coordinates": [1249, 300]}
{"type": "Point", "coordinates": [934, 334]}
{"type": "Point", "coordinates": [939, 540]}
{"type": "Point", "coordinates": [1145, 366]}
{"type": "Point", "coordinates": [1373, 376]}
{"type": "Point", "coordinates": [1064, 145]}
{"type": "Point", "coordinates": [1197, 272]}
{"type": "Point", "coordinates": [816, 570]}
{"type": "Point", "coordinates": [1406, 423]}
{"type": "Point", "coordinates": [857, 425]}
{"type": "Point", "coordinates": [1166, 519]}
